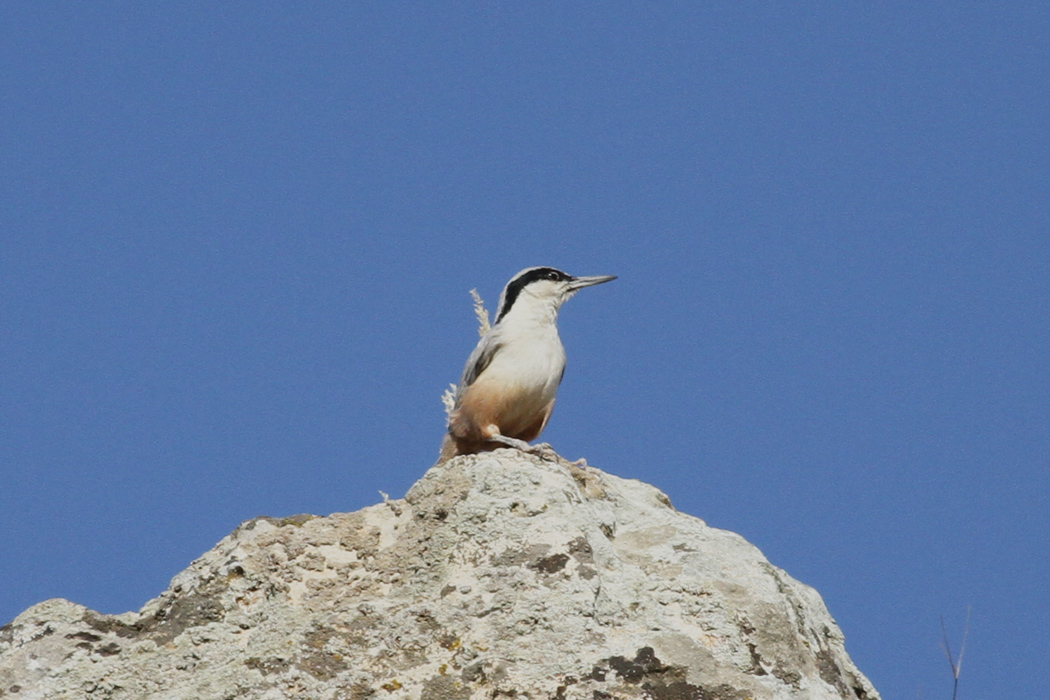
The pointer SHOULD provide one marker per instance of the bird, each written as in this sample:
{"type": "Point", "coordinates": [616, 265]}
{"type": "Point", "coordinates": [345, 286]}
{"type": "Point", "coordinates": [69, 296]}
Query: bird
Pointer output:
{"type": "Point", "coordinates": [511, 380]}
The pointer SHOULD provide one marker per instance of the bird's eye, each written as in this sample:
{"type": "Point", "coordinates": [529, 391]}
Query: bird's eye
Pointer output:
{"type": "Point", "coordinates": [552, 275]}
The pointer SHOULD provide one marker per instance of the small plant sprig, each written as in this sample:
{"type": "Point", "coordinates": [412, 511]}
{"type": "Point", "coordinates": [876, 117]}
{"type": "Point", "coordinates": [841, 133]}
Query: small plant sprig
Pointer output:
{"type": "Point", "coordinates": [956, 662]}
{"type": "Point", "coordinates": [481, 312]}
{"type": "Point", "coordinates": [484, 326]}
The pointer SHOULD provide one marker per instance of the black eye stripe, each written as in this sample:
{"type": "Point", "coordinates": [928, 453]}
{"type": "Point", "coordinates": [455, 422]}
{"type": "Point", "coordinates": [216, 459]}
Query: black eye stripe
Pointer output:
{"type": "Point", "coordinates": [514, 287]}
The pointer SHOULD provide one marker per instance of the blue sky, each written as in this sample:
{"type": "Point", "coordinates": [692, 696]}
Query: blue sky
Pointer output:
{"type": "Point", "coordinates": [236, 244]}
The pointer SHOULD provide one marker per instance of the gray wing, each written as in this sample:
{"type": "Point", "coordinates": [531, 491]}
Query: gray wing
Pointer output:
{"type": "Point", "coordinates": [482, 356]}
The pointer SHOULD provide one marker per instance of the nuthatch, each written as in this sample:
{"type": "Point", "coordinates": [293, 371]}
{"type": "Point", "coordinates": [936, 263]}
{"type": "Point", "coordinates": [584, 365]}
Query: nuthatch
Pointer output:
{"type": "Point", "coordinates": [511, 379]}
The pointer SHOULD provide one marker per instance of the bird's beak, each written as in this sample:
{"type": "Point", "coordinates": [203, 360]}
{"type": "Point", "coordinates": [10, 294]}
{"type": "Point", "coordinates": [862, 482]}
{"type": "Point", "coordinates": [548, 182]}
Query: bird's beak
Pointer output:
{"type": "Point", "coordinates": [581, 282]}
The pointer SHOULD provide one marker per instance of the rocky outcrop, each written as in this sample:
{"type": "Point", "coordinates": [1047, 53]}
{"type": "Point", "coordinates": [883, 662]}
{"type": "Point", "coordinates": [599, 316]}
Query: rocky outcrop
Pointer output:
{"type": "Point", "coordinates": [498, 574]}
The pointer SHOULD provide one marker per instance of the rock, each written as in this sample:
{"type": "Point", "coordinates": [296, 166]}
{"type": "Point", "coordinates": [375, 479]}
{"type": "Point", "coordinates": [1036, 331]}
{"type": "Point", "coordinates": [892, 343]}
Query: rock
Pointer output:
{"type": "Point", "coordinates": [498, 574]}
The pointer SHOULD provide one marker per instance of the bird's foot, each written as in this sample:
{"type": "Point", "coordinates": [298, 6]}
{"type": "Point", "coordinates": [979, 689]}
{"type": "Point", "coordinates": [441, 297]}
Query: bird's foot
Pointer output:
{"type": "Point", "coordinates": [511, 442]}
{"type": "Point", "coordinates": [545, 452]}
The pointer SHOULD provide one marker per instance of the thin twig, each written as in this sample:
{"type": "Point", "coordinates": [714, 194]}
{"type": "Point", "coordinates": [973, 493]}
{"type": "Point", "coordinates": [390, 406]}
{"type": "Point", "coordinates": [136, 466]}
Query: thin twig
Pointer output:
{"type": "Point", "coordinates": [956, 663]}
{"type": "Point", "coordinates": [946, 645]}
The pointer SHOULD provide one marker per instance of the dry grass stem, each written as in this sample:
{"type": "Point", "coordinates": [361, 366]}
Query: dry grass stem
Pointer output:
{"type": "Point", "coordinates": [484, 326]}
{"type": "Point", "coordinates": [956, 663]}
{"type": "Point", "coordinates": [481, 312]}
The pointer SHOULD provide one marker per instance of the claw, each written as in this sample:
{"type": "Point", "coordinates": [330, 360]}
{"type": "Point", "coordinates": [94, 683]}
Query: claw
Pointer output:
{"type": "Point", "coordinates": [545, 452]}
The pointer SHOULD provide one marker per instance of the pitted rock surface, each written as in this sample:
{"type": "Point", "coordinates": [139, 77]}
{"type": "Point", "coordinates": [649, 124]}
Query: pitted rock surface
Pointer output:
{"type": "Point", "coordinates": [498, 574]}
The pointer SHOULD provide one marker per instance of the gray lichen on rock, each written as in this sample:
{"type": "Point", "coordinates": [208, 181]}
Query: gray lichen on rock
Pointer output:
{"type": "Point", "coordinates": [498, 574]}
